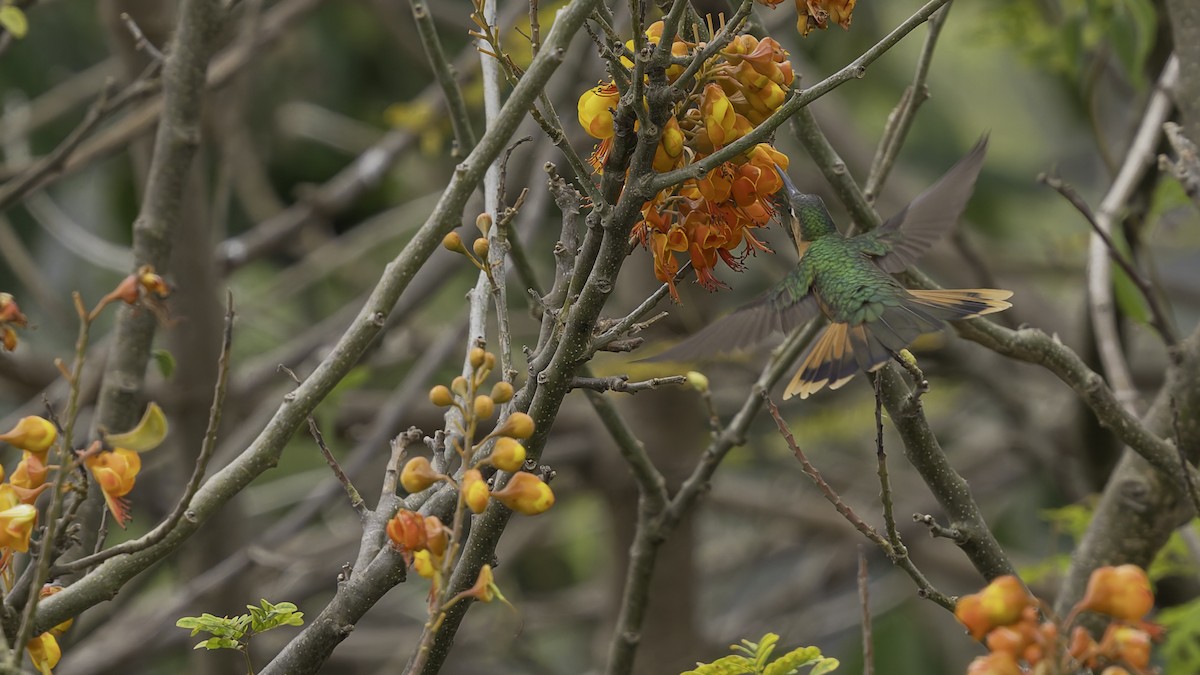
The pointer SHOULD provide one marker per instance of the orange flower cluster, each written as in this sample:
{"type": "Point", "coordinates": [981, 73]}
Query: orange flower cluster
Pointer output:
{"type": "Point", "coordinates": [1006, 617]}
{"type": "Point", "coordinates": [710, 218]}
{"type": "Point", "coordinates": [812, 14]}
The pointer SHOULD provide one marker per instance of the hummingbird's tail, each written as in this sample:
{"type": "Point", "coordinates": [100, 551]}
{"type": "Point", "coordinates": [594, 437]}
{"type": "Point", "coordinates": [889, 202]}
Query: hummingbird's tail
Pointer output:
{"type": "Point", "coordinates": [842, 349]}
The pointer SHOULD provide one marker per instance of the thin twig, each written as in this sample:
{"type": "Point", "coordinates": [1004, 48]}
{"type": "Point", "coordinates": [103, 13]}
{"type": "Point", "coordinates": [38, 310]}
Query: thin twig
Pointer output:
{"type": "Point", "coordinates": [895, 132]}
{"type": "Point", "coordinates": [460, 119]}
{"type": "Point", "coordinates": [936, 529]}
{"type": "Point", "coordinates": [885, 484]}
{"type": "Point", "coordinates": [622, 384]}
{"type": "Point", "coordinates": [898, 557]}
{"type": "Point", "coordinates": [141, 42]}
{"type": "Point", "coordinates": [356, 500]}
{"type": "Point", "coordinates": [1158, 315]}
{"type": "Point", "coordinates": [31, 178]}
{"type": "Point", "coordinates": [864, 600]}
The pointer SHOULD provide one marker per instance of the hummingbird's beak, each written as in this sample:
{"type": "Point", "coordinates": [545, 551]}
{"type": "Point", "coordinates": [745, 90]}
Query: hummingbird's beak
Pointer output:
{"type": "Point", "coordinates": [789, 188]}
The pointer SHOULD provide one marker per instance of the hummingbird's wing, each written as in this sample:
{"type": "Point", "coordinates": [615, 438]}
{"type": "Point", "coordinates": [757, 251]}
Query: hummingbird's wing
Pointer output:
{"type": "Point", "coordinates": [773, 312]}
{"type": "Point", "coordinates": [911, 232]}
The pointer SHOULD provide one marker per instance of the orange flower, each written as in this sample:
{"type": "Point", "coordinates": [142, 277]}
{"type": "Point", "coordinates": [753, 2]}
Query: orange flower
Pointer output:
{"type": "Point", "coordinates": [115, 472]}
{"type": "Point", "coordinates": [29, 478]}
{"type": "Point", "coordinates": [16, 520]}
{"type": "Point", "coordinates": [996, 663]}
{"type": "Point", "coordinates": [406, 530]}
{"type": "Point", "coordinates": [33, 434]}
{"type": "Point", "coordinates": [1121, 592]}
{"type": "Point", "coordinates": [999, 604]}
{"type": "Point", "coordinates": [595, 110]}
{"type": "Point", "coordinates": [818, 13]}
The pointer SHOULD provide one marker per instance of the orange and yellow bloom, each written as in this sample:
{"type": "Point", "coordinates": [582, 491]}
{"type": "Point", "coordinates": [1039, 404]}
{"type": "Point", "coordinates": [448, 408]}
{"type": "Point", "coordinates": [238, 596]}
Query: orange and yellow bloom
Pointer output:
{"type": "Point", "coordinates": [708, 220]}
{"type": "Point", "coordinates": [17, 520]}
{"type": "Point", "coordinates": [33, 434]}
{"type": "Point", "coordinates": [115, 473]}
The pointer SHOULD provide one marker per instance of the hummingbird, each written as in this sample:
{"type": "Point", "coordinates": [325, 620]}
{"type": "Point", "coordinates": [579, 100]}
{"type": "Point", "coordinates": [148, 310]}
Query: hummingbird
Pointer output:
{"type": "Point", "coordinates": [849, 281]}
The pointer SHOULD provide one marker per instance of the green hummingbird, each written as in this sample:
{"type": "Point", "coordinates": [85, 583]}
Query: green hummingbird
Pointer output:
{"type": "Point", "coordinates": [849, 281]}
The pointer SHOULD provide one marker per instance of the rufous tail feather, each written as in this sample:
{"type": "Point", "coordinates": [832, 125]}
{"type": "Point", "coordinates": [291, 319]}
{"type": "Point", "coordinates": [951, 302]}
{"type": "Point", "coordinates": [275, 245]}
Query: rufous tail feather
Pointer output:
{"type": "Point", "coordinates": [842, 350]}
{"type": "Point", "coordinates": [962, 303]}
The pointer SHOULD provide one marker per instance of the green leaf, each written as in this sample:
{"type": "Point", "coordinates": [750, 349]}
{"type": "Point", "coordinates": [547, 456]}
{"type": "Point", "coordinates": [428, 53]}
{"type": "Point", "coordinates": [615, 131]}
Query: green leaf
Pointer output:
{"type": "Point", "coordinates": [218, 643]}
{"type": "Point", "coordinates": [763, 651]}
{"type": "Point", "coordinates": [726, 665]}
{"type": "Point", "coordinates": [794, 660]}
{"type": "Point", "coordinates": [13, 20]}
{"type": "Point", "coordinates": [826, 665]}
{"type": "Point", "coordinates": [165, 362]}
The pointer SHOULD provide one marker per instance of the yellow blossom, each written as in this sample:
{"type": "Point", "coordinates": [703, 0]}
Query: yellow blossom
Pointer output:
{"type": "Point", "coordinates": [44, 652]}
{"type": "Point", "coordinates": [16, 520]}
{"type": "Point", "coordinates": [595, 110]}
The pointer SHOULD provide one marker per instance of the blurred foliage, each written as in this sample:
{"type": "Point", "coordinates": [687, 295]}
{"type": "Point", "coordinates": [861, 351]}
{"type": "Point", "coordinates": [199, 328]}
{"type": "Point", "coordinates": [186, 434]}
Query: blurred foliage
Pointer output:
{"type": "Point", "coordinates": [755, 659]}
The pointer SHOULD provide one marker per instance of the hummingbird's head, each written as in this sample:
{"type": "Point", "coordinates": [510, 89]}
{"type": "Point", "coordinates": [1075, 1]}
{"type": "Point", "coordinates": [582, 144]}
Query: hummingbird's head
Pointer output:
{"type": "Point", "coordinates": [807, 218]}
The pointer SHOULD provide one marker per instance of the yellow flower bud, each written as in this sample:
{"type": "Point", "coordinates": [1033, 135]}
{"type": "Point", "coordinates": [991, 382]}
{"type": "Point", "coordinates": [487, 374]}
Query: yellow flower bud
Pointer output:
{"type": "Point", "coordinates": [453, 242]}
{"type": "Point", "coordinates": [489, 361]}
{"type": "Point", "coordinates": [502, 392]}
{"type": "Point", "coordinates": [484, 407]}
{"type": "Point", "coordinates": [441, 396]}
{"type": "Point", "coordinates": [481, 248]}
{"type": "Point", "coordinates": [508, 454]}
{"type": "Point", "coordinates": [526, 493]}
{"type": "Point", "coordinates": [418, 474]}
{"type": "Point", "coordinates": [475, 491]}
{"type": "Point", "coordinates": [459, 385]}
{"type": "Point", "coordinates": [476, 357]}
{"type": "Point", "coordinates": [670, 147]}
{"type": "Point", "coordinates": [697, 380]}
{"type": "Point", "coordinates": [484, 222]}
{"type": "Point", "coordinates": [423, 564]}
{"type": "Point", "coordinates": [719, 116]}
{"type": "Point", "coordinates": [32, 433]}
{"type": "Point", "coordinates": [517, 425]}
